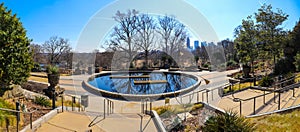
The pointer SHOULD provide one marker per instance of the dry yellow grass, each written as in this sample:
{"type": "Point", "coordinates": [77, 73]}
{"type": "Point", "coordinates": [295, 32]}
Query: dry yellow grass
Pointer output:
{"type": "Point", "coordinates": [38, 79]}
{"type": "Point", "coordinates": [238, 86]}
{"type": "Point", "coordinates": [278, 122]}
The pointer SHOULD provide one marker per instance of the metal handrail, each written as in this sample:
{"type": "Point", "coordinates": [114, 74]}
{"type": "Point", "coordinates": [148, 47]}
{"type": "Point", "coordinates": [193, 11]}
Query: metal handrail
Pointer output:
{"type": "Point", "coordinates": [144, 105]}
{"type": "Point", "coordinates": [292, 86]}
{"type": "Point", "coordinates": [74, 97]}
{"type": "Point", "coordinates": [277, 90]}
{"type": "Point", "coordinates": [285, 80]}
{"type": "Point", "coordinates": [17, 111]}
{"type": "Point", "coordinates": [110, 107]}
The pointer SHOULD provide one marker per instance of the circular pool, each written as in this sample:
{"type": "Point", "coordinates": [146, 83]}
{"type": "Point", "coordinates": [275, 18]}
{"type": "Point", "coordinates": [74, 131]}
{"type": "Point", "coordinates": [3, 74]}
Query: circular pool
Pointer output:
{"type": "Point", "coordinates": [140, 85]}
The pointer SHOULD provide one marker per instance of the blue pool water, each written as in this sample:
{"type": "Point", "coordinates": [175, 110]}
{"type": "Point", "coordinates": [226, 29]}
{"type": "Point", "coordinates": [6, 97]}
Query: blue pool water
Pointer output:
{"type": "Point", "coordinates": [175, 82]}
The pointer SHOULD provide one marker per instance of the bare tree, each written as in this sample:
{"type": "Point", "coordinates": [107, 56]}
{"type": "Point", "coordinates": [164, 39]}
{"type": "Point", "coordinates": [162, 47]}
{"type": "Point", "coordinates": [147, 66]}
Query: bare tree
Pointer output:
{"type": "Point", "coordinates": [146, 34]}
{"type": "Point", "coordinates": [37, 52]}
{"type": "Point", "coordinates": [173, 35]}
{"type": "Point", "coordinates": [55, 48]}
{"type": "Point", "coordinates": [123, 34]}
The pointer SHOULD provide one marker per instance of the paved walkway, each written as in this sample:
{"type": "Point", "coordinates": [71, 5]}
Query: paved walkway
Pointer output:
{"type": "Point", "coordinates": [68, 122]}
{"type": "Point", "coordinates": [126, 112]}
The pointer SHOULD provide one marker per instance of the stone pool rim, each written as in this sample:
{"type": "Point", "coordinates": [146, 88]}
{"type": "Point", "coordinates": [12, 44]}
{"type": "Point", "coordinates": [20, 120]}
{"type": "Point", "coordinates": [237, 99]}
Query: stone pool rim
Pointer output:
{"type": "Point", "coordinates": [136, 97]}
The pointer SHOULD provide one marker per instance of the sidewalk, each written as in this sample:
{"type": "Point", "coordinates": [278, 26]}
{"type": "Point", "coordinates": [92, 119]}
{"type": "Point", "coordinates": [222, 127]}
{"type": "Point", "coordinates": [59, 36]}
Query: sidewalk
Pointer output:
{"type": "Point", "coordinates": [68, 122]}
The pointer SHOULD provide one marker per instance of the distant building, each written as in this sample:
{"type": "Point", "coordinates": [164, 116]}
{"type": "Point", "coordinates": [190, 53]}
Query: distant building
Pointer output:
{"type": "Point", "coordinates": [203, 44]}
{"type": "Point", "coordinates": [196, 44]}
{"type": "Point", "coordinates": [188, 44]}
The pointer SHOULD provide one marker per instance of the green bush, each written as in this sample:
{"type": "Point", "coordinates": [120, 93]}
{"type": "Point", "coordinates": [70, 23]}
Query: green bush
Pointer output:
{"type": "Point", "coordinates": [42, 101]}
{"type": "Point", "coordinates": [52, 69]}
{"type": "Point", "coordinates": [205, 65]}
{"type": "Point", "coordinates": [266, 81]}
{"type": "Point", "coordinates": [228, 121]}
{"type": "Point", "coordinates": [297, 61]}
{"type": "Point", "coordinates": [231, 63]}
{"type": "Point", "coordinates": [284, 66]}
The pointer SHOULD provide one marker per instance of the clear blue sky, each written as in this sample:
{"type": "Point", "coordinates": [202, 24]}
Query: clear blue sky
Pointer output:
{"type": "Point", "coordinates": [67, 18]}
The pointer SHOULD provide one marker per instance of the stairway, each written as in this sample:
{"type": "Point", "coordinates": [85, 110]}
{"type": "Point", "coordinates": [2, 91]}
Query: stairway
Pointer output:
{"type": "Point", "coordinates": [286, 100]}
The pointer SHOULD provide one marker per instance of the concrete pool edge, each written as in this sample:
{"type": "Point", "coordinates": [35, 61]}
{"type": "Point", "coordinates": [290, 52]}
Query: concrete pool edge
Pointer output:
{"type": "Point", "coordinates": [131, 97]}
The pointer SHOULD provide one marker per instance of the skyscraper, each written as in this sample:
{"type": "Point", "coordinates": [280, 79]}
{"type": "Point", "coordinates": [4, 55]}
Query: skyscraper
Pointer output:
{"type": "Point", "coordinates": [188, 45]}
{"type": "Point", "coordinates": [196, 44]}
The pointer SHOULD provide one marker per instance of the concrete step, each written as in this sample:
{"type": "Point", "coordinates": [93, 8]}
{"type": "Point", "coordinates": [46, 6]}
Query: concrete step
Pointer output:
{"type": "Point", "coordinates": [285, 98]}
{"type": "Point", "coordinates": [297, 97]}
{"type": "Point", "coordinates": [292, 99]}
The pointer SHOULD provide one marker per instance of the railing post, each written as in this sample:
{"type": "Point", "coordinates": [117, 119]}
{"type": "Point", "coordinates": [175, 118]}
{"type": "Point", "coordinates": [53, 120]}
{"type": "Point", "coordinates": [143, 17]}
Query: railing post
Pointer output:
{"type": "Point", "coordinates": [30, 120]}
{"type": "Point", "coordinates": [274, 97]}
{"type": "Point", "coordinates": [146, 104]}
{"type": "Point", "coordinates": [104, 108]}
{"type": "Point", "coordinates": [293, 92]}
{"type": "Point", "coordinates": [107, 105]}
{"type": "Point", "coordinates": [202, 97]}
{"type": "Point", "coordinates": [62, 103]}
{"type": "Point", "coordinates": [111, 103]}
{"type": "Point", "coordinates": [18, 114]}
{"type": "Point", "coordinates": [142, 105]}
{"type": "Point", "coordinates": [279, 100]}
{"type": "Point", "coordinates": [197, 97]}
{"type": "Point", "coordinates": [212, 95]}
{"type": "Point", "coordinates": [110, 107]}
{"type": "Point", "coordinates": [73, 101]}
{"type": "Point", "coordinates": [79, 104]}
{"type": "Point", "coordinates": [264, 97]}
{"type": "Point", "coordinates": [113, 107]}
{"type": "Point", "coordinates": [207, 96]}
{"type": "Point", "coordinates": [240, 107]}
{"type": "Point", "coordinates": [254, 102]}
{"type": "Point", "coordinates": [150, 105]}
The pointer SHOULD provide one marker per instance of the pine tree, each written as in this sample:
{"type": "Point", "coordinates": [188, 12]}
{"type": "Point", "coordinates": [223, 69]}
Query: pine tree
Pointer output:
{"type": "Point", "coordinates": [15, 58]}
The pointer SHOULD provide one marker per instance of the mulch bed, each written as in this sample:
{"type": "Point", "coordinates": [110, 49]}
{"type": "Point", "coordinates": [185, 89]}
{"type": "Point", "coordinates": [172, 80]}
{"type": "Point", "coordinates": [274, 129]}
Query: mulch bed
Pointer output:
{"type": "Point", "coordinates": [37, 112]}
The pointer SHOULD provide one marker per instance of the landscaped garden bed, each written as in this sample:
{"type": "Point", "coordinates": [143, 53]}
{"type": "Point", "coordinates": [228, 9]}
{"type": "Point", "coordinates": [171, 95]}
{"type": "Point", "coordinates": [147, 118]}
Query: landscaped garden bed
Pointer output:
{"type": "Point", "coordinates": [8, 120]}
{"type": "Point", "coordinates": [181, 118]}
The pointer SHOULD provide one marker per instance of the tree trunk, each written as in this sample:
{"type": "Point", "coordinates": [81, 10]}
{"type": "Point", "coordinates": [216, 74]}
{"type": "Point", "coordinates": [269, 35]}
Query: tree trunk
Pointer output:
{"type": "Point", "coordinates": [146, 58]}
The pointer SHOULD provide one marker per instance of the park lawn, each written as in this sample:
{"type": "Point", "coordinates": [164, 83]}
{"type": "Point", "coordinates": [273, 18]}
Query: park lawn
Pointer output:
{"type": "Point", "coordinates": [278, 122]}
{"type": "Point", "coordinates": [237, 87]}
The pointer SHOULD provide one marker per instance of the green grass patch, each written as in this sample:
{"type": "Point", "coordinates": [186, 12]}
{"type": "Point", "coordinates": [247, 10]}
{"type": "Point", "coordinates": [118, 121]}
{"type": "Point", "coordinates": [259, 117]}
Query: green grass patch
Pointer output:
{"type": "Point", "coordinates": [237, 87]}
{"type": "Point", "coordinates": [278, 122]}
